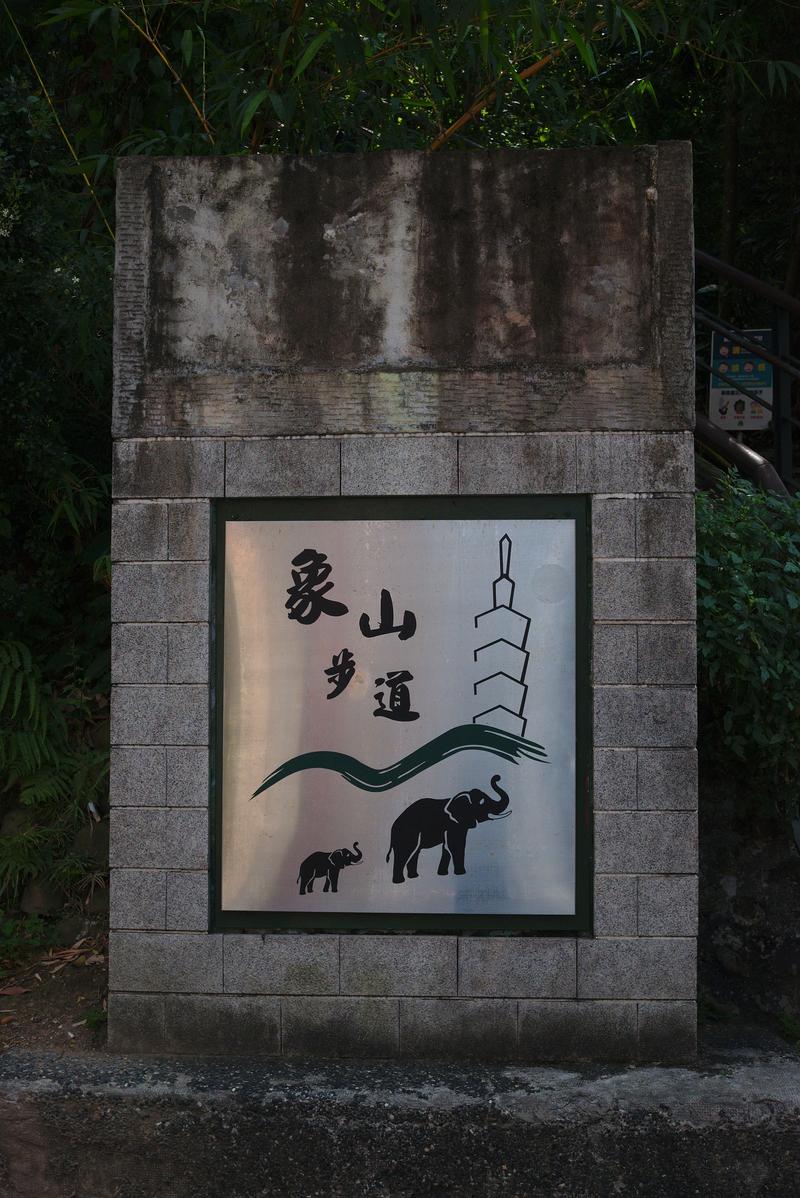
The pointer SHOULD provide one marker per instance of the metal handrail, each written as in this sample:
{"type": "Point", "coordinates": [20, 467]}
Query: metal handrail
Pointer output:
{"type": "Point", "coordinates": [729, 382]}
{"type": "Point", "coordinates": [782, 359]}
{"type": "Point", "coordinates": [730, 331]}
{"type": "Point", "coordinates": [781, 299]}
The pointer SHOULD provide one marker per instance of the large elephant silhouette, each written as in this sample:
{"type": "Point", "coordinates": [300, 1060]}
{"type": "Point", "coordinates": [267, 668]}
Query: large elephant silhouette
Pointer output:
{"type": "Point", "coordinates": [327, 866]}
{"type": "Point", "coordinates": [430, 822]}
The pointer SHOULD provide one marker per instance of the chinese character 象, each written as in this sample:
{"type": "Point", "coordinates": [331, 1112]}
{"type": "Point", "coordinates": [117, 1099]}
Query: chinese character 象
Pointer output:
{"type": "Point", "coordinates": [307, 601]}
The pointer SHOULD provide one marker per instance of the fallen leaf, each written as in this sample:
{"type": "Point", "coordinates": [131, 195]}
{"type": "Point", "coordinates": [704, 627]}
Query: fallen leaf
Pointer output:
{"type": "Point", "coordinates": [7, 1019]}
{"type": "Point", "coordinates": [13, 990]}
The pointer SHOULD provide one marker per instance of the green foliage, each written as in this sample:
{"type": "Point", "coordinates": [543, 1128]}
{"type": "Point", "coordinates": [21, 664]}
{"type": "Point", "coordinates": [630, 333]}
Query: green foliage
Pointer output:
{"type": "Point", "coordinates": [789, 1028]}
{"type": "Point", "coordinates": [19, 938]}
{"type": "Point", "coordinates": [748, 611]}
{"type": "Point", "coordinates": [54, 381]}
{"type": "Point", "coordinates": [96, 1017]}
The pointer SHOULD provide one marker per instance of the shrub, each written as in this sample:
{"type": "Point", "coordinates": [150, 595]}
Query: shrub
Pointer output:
{"type": "Point", "coordinates": [748, 612]}
{"type": "Point", "coordinates": [55, 359]}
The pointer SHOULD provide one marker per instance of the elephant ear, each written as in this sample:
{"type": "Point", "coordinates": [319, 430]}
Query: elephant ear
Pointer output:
{"type": "Point", "coordinates": [460, 810]}
{"type": "Point", "coordinates": [336, 858]}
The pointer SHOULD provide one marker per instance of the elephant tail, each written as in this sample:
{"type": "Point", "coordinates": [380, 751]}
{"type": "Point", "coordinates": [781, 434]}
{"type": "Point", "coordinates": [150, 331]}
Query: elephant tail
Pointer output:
{"type": "Point", "coordinates": [388, 855]}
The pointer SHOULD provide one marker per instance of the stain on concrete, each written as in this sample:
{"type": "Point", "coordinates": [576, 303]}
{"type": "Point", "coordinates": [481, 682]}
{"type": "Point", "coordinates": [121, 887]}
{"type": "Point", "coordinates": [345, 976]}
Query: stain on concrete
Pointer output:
{"type": "Point", "coordinates": [268, 276]}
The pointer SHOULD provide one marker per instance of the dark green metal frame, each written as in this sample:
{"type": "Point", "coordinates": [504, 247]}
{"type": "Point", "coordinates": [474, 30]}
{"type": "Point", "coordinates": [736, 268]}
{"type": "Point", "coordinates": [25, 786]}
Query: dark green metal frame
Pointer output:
{"type": "Point", "coordinates": [410, 508]}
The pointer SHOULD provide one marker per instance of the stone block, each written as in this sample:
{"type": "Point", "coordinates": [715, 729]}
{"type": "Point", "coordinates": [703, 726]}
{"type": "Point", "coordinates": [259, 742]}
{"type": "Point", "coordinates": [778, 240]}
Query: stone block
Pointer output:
{"type": "Point", "coordinates": [226, 1026]}
{"type": "Point", "coordinates": [516, 967]}
{"type": "Point", "coordinates": [165, 962]}
{"type": "Point", "coordinates": [138, 776]}
{"type": "Point", "coordinates": [188, 653]}
{"type": "Point", "coordinates": [138, 838]}
{"type": "Point", "coordinates": [614, 780]}
{"type": "Point", "coordinates": [396, 465]}
{"type": "Point", "coordinates": [645, 716]}
{"type": "Point", "coordinates": [150, 715]}
{"type": "Point", "coordinates": [667, 653]}
{"type": "Point", "coordinates": [187, 777]}
{"type": "Point", "coordinates": [644, 590]}
{"type": "Point", "coordinates": [340, 1027]}
{"type": "Point", "coordinates": [189, 530]}
{"type": "Point", "coordinates": [136, 1023]}
{"type": "Point", "coordinates": [187, 837]}
{"type": "Point", "coordinates": [138, 532]}
{"type": "Point", "coordinates": [291, 466]}
{"type": "Point", "coordinates": [637, 968]}
{"type": "Point", "coordinates": [138, 899]}
{"type": "Point", "coordinates": [667, 779]}
{"type": "Point", "coordinates": [187, 901]}
{"type": "Point", "coordinates": [665, 526]}
{"type": "Point", "coordinates": [613, 526]}
{"type": "Point", "coordinates": [615, 905]}
{"type": "Point", "coordinates": [614, 653]}
{"type": "Point", "coordinates": [535, 464]}
{"type": "Point", "coordinates": [169, 466]}
{"type": "Point", "coordinates": [159, 592]}
{"type": "Point", "coordinates": [289, 964]}
{"type": "Point", "coordinates": [458, 1028]}
{"type": "Point", "coordinates": [647, 842]}
{"type": "Point", "coordinates": [574, 1031]}
{"type": "Point", "coordinates": [138, 653]}
{"type": "Point", "coordinates": [668, 906]}
{"type": "Point", "coordinates": [624, 462]}
{"type": "Point", "coordinates": [412, 304]}
{"type": "Point", "coordinates": [667, 1031]}
{"type": "Point", "coordinates": [399, 965]}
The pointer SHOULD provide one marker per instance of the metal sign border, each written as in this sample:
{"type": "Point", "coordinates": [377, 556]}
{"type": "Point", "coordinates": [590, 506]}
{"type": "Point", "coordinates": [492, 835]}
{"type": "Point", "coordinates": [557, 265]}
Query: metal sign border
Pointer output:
{"type": "Point", "coordinates": [454, 507]}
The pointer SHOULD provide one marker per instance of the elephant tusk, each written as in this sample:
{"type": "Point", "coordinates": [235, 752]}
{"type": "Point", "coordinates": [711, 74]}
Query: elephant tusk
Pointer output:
{"type": "Point", "coordinates": [500, 816]}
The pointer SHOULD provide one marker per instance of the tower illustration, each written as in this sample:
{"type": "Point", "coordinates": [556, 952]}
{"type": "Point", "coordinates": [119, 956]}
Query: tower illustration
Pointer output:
{"type": "Point", "coordinates": [502, 658]}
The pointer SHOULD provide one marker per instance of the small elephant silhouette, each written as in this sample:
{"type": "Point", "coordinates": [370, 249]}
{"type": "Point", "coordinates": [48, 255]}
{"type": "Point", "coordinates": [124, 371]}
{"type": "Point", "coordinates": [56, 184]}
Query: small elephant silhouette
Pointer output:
{"type": "Point", "coordinates": [327, 866]}
{"type": "Point", "coordinates": [430, 822]}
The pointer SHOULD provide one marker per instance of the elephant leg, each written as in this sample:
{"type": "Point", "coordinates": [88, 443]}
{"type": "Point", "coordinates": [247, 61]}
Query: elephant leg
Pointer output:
{"type": "Point", "coordinates": [310, 884]}
{"type": "Point", "coordinates": [327, 885]}
{"type": "Point", "coordinates": [402, 848]}
{"type": "Point", "coordinates": [334, 877]}
{"type": "Point", "coordinates": [444, 863]}
{"type": "Point", "coordinates": [413, 861]}
{"type": "Point", "coordinates": [456, 843]}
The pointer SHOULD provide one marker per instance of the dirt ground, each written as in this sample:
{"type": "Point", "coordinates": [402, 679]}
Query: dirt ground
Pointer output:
{"type": "Point", "coordinates": [57, 998]}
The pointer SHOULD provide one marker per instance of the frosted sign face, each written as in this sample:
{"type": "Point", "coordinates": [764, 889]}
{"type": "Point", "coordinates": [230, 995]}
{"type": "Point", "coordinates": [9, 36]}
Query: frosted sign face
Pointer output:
{"type": "Point", "coordinates": [398, 717]}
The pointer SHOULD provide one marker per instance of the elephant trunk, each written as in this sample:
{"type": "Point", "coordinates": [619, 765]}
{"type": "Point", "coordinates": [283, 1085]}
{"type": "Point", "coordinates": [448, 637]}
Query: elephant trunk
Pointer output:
{"type": "Point", "coordinates": [356, 859]}
{"type": "Point", "coordinates": [499, 805]}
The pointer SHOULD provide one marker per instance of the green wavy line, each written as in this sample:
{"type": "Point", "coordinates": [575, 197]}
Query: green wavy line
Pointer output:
{"type": "Point", "coordinates": [464, 738]}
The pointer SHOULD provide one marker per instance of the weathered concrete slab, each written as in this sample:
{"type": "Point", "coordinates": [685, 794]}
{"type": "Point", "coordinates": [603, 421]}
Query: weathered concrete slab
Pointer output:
{"type": "Point", "coordinates": [404, 292]}
{"type": "Point", "coordinates": [99, 1126]}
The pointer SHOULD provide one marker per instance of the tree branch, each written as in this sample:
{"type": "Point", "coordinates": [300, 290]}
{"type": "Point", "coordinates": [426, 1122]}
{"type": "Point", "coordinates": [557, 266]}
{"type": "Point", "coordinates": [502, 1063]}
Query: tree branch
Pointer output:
{"type": "Point", "coordinates": [489, 93]}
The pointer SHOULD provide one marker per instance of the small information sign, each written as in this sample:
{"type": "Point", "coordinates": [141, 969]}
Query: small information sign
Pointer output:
{"type": "Point", "coordinates": [728, 408]}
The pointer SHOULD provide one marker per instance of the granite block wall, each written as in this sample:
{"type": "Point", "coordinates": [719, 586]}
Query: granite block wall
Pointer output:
{"type": "Point", "coordinates": [626, 991]}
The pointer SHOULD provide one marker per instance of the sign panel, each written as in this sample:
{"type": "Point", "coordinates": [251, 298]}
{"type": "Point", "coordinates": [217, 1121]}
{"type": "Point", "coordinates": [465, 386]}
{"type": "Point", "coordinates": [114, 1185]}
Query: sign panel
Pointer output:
{"type": "Point", "coordinates": [398, 710]}
{"type": "Point", "coordinates": [727, 407]}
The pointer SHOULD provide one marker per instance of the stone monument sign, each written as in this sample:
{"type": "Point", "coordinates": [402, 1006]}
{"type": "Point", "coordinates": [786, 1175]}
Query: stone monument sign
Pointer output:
{"type": "Point", "coordinates": [403, 719]}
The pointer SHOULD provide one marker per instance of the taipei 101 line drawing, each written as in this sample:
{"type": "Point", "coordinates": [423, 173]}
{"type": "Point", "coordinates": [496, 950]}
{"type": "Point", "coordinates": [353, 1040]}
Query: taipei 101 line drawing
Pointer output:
{"type": "Point", "coordinates": [502, 658]}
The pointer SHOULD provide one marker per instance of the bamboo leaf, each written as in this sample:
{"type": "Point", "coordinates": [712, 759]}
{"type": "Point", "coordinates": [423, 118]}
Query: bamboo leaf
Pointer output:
{"type": "Point", "coordinates": [250, 109]}
{"type": "Point", "coordinates": [310, 53]}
